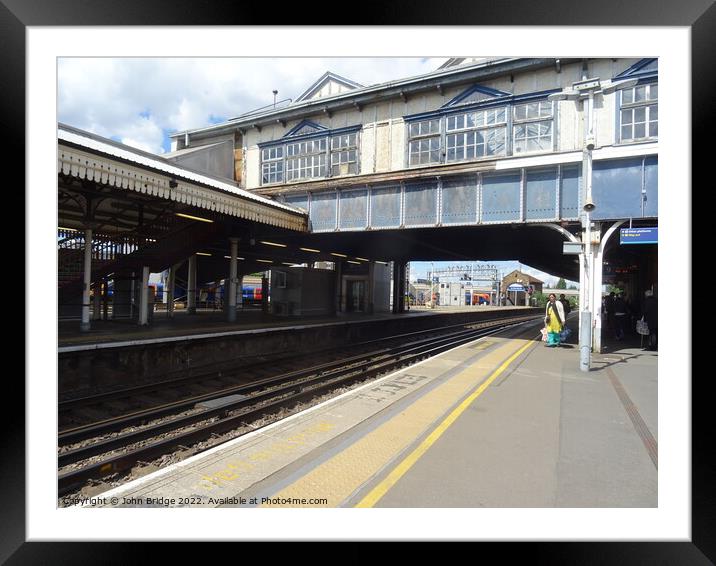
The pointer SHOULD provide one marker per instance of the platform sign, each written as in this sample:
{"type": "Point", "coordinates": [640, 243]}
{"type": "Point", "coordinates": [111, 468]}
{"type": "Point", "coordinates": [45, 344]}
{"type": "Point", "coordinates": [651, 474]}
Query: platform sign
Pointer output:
{"type": "Point", "coordinates": [572, 248]}
{"type": "Point", "coordinates": [639, 235]}
{"type": "Point", "coordinates": [516, 287]}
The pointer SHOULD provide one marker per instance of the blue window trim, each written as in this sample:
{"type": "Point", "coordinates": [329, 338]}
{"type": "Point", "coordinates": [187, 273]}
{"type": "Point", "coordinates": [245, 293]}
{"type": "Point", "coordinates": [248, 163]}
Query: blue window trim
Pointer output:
{"type": "Point", "coordinates": [636, 69]}
{"type": "Point", "coordinates": [472, 90]}
{"type": "Point", "coordinates": [288, 138]}
{"type": "Point", "coordinates": [303, 124]}
{"type": "Point", "coordinates": [509, 100]}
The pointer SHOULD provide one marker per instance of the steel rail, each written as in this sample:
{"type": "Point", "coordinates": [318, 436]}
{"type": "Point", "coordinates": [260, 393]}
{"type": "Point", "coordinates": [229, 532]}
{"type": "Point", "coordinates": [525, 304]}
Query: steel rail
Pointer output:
{"type": "Point", "coordinates": [76, 434]}
{"type": "Point", "coordinates": [292, 393]}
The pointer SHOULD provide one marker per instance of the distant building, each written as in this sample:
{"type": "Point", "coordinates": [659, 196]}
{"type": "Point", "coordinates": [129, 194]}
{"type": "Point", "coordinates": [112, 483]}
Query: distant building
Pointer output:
{"type": "Point", "coordinates": [516, 287]}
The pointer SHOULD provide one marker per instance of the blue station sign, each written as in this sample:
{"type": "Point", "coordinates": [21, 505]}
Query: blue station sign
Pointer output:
{"type": "Point", "coordinates": [516, 287]}
{"type": "Point", "coordinates": [639, 235]}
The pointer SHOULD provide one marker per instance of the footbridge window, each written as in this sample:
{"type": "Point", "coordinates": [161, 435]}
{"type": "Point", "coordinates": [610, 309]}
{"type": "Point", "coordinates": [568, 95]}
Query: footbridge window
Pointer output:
{"type": "Point", "coordinates": [310, 151]}
{"type": "Point", "coordinates": [476, 134]}
{"type": "Point", "coordinates": [424, 142]}
{"type": "Point", "coordinates": [639, 113]}
{"type": "Point", "coordinates": [306, 160]}
{"type": "Point", "coordinates": [532, 130]}
{"type": "Point", "coordinates": [482, 123]}
{"type": "Point", "coordinates": [344, 154]}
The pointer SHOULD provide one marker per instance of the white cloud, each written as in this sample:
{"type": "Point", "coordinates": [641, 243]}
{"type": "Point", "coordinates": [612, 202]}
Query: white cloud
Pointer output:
{"type": "Point", "coordinates": [107, 96]}
{"type": "Point", "coordinates": [143, 133]}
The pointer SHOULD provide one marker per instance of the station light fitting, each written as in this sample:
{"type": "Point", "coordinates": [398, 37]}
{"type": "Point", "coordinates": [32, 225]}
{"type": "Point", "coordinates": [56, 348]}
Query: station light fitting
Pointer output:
{"type": "Point", "coordinates": [190, 217]}
{"type": "Point", "coordinates": [265, 260]}
{"type": "Point", "coordinates": [274, 244]}
{"type": "Point", "coordinates": [203, 253]}
{"type": "Point", "coordinates": [290, 264]}
{"type": "Point", "coordinates": [362, 259]}
{"type": "Point", "coordinates": [67, 229]}
{"type": "Point", "coordinates": [229, 257]}
{"type": "Point", "coordinates": [310, 250]}
{"type": "Point", "coordinates": [338, 255]}
{"type": "Point", "coordinates": [356, 262]}
{"type": "Point", "coordinates": [381, 262]}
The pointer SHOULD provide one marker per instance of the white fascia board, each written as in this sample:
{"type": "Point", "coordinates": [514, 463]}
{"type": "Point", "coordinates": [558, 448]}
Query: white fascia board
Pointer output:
{"type": "Point", "coordinates": [611, 152]}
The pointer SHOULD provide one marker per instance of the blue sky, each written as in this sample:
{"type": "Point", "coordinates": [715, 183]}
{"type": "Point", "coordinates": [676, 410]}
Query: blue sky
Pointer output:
{"type": "Point", "coordinates": [141, 101]}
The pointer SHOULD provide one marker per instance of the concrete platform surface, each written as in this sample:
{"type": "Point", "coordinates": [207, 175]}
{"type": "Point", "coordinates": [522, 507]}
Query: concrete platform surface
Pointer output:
{"type": "Point", "coordinates": [500, 422]}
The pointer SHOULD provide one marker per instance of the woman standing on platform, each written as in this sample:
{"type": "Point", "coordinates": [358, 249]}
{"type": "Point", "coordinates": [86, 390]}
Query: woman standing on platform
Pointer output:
{"type": "Point", "coordinates": [554, 320]}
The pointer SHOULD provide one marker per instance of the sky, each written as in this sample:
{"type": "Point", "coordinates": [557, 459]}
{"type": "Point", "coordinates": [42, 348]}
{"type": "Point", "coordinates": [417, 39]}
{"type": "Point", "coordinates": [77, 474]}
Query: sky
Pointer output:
{"type": "Point", "coordinates": [141, 101]}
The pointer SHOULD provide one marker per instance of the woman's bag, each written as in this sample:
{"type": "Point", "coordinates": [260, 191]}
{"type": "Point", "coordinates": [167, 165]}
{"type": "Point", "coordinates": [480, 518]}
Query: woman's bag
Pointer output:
{"type": "Point", "coordinates": [565, 334]}
{"type": "Point", "coordinates": [544, 332]}
{"type": "Point", "coordinates": [642, 327]}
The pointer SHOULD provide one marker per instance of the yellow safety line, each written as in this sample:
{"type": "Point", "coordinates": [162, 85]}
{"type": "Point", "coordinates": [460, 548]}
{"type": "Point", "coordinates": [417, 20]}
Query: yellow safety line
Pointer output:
{"type": "Point", "coordinates": [399, 471]}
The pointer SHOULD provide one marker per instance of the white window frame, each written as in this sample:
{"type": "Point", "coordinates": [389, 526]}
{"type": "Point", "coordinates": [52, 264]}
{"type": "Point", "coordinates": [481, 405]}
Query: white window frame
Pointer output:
{"type": "Point", "coordinates": [544, 117]}
{"type": "Point", "coordinates": [341, 154]}
{"type": "Point", "coordinates": [650, 104]}
{"type": "Point", "coordinates": [313, 158]}
{"type": "Point", "coordinates": [272, 169]}
{"type": "Point", "coordinates": [425, 134]}
{"type": "Point", "coordinates": [486, 122]}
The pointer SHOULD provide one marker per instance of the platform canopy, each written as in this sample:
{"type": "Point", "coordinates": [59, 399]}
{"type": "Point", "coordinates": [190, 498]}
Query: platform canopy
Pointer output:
{"type": "Point", "coordinates": [128, 187]}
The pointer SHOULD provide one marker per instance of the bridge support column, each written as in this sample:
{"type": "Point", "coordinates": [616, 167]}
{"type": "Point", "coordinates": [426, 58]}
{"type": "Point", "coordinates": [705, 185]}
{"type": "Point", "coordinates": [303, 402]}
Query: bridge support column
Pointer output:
{"type": "Point", "coordinates": [264, 294]}
{"type": "Point", "coordinates": [191, 286]}
{"type": "Point", "coordinates": [403, 286]}
{"type": "Point", "coordinates": [105, 299]}
{"type": "Point", "coordinates": [171, 284]}
{"type": "Point", "coordinates": [97, 301]}
{"type": "Point", "coordinates": [233, 268]}
{"type": "Point", "coordinates": [597, 274]}
{"type": "Point", "coordinates": [144, 297]}
{"type": "Point", "coordinates": [370, 289]}
{"type": "Point", "coordinates": [598, 269]}
{"type": "Point", "coordinates": [399, 274]}
{"type": "Point", "coordinates": [85, 321]}
{"type": "Point", "coordinates": [339, 285]}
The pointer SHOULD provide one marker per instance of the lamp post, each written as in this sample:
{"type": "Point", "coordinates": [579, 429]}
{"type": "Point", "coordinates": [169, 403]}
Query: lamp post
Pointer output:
{"type": "Point", "coordinates": [585, 91]}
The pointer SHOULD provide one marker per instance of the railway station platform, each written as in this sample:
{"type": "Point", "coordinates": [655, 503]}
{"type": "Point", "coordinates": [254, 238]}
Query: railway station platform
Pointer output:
{"type": "Point", "coordinates": [212, 322]}
{"type": "Point", "coordinates": [501, 422]}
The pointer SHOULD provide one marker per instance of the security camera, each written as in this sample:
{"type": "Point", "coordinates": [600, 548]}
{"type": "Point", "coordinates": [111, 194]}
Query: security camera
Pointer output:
{"type": "Point", "coordinates": [590, 144]}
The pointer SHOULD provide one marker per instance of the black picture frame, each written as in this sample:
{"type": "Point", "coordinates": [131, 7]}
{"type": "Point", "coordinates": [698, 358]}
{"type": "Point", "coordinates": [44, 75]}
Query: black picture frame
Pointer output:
{"type": "Point", "coordinates": [699, 15]}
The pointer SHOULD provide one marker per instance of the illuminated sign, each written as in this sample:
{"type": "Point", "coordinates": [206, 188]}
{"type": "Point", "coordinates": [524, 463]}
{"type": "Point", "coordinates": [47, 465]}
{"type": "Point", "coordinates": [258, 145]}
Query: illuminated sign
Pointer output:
{"type": "Point", "coordinates": [639, 235]}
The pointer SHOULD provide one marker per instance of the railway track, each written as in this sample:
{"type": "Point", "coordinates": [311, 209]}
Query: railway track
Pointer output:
{"type": "Point", "coordinates": [123, 441]}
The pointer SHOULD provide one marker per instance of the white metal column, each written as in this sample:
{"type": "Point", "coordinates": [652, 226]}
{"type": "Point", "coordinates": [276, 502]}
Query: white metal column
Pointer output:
{"type": "Point", "coordinates": [191, 286]}
{"type": "Point", "coordinates": [598, 271]}
{"type": "Point", "coordinates": [233, 268]}
{"type": "Point", "coordinates": [597, 300]}
{"type": "Point", "coordinates": [85, 323]}
{"type": "Point", "coordinates": [143, 297]}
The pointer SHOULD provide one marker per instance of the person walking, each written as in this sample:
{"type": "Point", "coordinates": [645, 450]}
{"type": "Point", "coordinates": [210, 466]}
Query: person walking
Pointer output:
{"type": "Point", "coordinates": [620, 317]}
{"type": "Point", "coordinates": [651, 317]}
{"type": "Point", "coordinates": [609, 309]}
{"type": "Point", "coordinates": [554, 320]}
{"type": "Point", "coordinates": [565, 304]}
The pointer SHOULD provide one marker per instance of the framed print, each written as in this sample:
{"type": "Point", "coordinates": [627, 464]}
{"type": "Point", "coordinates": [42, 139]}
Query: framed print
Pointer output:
{"type": "Point", "coordinates": [36, 35]}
